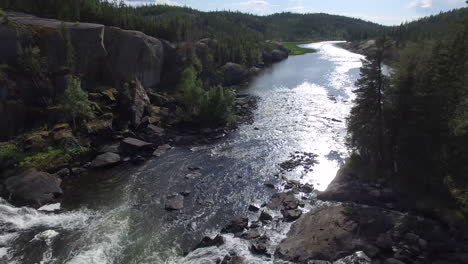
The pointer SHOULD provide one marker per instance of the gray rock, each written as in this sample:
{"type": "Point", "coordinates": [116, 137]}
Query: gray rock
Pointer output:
{"type": "Point", "coordinates": [33, 188]}
{"type": "Point", "coordinates": [253, 208]}
{"type": "Point", "coordinates": [210, 242]}
{"type": "Point", "coordinates": [105, 160]}
{"type": "Point", "coordinates": [392, 261]}
{"type": "Point", "coordinates": [114, 148]}
{"type": "Point", "coordinates": [161, 150]}
{"type": "Point", "coordinates": [237, 225]}
{"type": "Point", "coordinates": [174, 202]}
{"type": "Point", "coordinates": [133, 145]}
{"type": "Point", "coordinates": [133, 55]}
{"type": "Point", "coordinates": [133, 102]}
{"type": "Point", "coordinates": [234, 74]}
{"type": "Point", "coordinates": [291, 215]}
{"type": "Point", "coordinates": [260, 246]}
{"type": "Point", "coordinates": [265, 217]}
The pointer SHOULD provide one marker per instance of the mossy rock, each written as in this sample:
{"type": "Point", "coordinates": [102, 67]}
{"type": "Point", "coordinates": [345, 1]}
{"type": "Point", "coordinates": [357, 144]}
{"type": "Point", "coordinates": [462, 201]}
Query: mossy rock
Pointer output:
{"type": "Point", "coordinates": [100, 125]}
{"type": "Point", "coordinates": [10, 151]}
{"type": "Point", "coordinates": [61, 131]}
{"type": "Point", "coordinates": [36, 141]}
{"type": "Point", "coordinates": [110, 94]}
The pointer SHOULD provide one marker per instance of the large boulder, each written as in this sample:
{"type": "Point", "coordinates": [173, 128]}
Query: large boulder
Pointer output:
{"type": "Point", "coordinates": [133, 55]}
{"type": "Point", "coordinates": [105, 160]}
{"type": "Point", "coordinates": [133, 146]}
{"type": "Point", "coordinates": [134, 101]}
{"type": "Point", "coordinates": [234, 74]}
{"type": "Point", "coordinates": [33, 188]}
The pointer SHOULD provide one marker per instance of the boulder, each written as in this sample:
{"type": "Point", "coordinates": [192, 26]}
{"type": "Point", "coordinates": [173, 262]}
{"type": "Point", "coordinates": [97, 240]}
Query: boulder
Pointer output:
{"type": "Point", "coordinates": [265, 217]}
{"type": "Point", "coordinates": [237, 225]}
{"type": "Point", "coordinates": [144, 62]}
{"type": "Point", "coordinates": [161, 150]}
{"type": "Point", "coordinates": [100, 126]}
{"type": "Point", "coordinates": [133, 146]}
{"type": "Point", "coordinates": [291, 215]}
{"type": "Point", "coordinates": [105, 160]}
{"type": "Point", "coordinates": [174, 202]}
{"type": "Point", "coordinates": [283, 201]}
{"type": "Point", "coordinates": [33, 188]}
{"type": "Point", "coordinates": [153, 134]}
{"type": "Point", "coordinates": [113, 148]}
{"type": "Point", "coordinates": [134, 101]}
{"type": "Point", "coordinates": [260, 246]}
{"type": "Point", "coordinates": [234, 74]}
{"type": "Point", "coordinates": [210, 242]}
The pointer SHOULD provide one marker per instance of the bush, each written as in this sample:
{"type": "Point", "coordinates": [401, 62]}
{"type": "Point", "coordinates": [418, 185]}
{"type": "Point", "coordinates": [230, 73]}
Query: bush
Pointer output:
{"type": "Point", "coordinates": [29, 60]}
{"type": "Point", "coordinates": [75, 102]}
{"type": "Point", "coordinates": [2, 13]}
{"type": "Point", "coordinates": [208, 108]}
{"type": "Point", "coordinates": [9, 150]}
{"type": "Point", "coordinates": [216, 106]}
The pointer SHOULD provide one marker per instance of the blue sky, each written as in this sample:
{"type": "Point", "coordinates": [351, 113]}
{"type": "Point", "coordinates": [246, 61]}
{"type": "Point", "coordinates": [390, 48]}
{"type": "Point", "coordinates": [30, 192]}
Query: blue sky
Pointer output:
{"type": "Point", "coordinates": [388, 12]}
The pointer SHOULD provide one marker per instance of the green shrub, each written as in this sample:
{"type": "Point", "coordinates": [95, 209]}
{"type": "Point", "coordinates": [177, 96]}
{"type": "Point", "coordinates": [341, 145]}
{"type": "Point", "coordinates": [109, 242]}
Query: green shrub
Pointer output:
{"type": "Point", "coordinates": [9, 150]}
{"type": "Point", "coordinates": [212, 107]}
{"type": "Point", "coordinates": [75, 102]}
{"type": "Point", "coordinates": [29, 60]}
{"type": "Point", "coordinates": [2, 13]}
{"type": "Point", "coordinates": [216, 106]}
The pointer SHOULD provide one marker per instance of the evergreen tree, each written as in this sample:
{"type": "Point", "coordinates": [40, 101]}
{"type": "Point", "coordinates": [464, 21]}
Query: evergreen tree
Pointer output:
{"type": "Point", "coordinates": [75, 102]}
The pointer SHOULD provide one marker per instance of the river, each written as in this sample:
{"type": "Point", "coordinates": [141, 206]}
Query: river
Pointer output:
{"type": "Point", "coordinates": [118, 216]}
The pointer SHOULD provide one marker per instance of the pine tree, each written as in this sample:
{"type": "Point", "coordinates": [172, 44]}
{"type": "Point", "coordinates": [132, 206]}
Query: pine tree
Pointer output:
{"type": "Point", "coordinates": [75, 102]}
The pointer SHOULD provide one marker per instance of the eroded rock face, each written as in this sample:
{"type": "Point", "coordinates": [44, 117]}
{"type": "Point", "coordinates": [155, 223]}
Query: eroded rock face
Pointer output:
{"type": "Point", "coordinates": [133, 55]}
{"type": "Point", "coordinates": [33, 189]}
{"type": "Point", "coordinates": [134, 101]}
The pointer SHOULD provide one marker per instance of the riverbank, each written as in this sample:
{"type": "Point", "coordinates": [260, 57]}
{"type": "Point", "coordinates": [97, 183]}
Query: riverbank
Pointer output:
{"type": "Point", "coordinates": [295, 48]}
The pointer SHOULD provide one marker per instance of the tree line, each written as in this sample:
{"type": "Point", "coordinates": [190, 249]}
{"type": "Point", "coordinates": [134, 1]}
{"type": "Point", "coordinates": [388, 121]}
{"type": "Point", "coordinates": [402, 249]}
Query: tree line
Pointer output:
{"type": "Point", "coordinates": [411, 128]}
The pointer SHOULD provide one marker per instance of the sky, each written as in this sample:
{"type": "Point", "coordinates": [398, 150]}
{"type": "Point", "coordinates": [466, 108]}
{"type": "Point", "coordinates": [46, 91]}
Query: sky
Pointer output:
{"type": "Point", "coordinates": [387, 12]}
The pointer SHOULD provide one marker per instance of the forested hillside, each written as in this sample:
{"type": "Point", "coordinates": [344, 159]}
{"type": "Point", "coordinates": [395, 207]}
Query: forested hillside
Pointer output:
{"type": "Point", "coordinates": [182, 23]}
{"type": "Point", "coordinates": [410, 129]}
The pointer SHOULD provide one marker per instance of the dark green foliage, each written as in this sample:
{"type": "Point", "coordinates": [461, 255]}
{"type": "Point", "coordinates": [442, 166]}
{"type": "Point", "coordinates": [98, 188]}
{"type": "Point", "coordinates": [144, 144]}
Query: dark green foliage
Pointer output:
{"type": "Point", "coordinates": [425, 112]}
{"type": "Point", "coordinates": [29, 60]}
{"type": "Point", "coordinates": [207, 108]}
{"type": "Point", "coordinates": [75, 101]}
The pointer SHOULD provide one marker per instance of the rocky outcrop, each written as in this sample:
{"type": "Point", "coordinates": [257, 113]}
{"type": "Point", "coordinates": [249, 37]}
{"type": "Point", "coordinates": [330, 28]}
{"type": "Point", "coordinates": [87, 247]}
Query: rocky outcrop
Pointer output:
{"type": "Point", "coordinates": [33, 188]}
{"type": "Point", "coordinates": [276, 53]}
{"type": "Point", "coordinates": [133, 103]}
{"type": "Point", "coordinates": [133, 55]}
{"type": "Point", "coordinates": [105, 160]}
{"type": "Point", "coordinates": [234, 74]}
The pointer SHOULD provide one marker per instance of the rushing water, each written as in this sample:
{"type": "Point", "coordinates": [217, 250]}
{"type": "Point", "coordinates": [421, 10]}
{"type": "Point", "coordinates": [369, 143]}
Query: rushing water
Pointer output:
{"type": "Point", "coordinates": [118, 216]}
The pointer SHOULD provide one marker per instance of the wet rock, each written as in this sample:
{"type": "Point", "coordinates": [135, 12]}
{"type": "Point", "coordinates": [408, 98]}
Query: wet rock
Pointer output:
{"type": "Point", "coordinates": [251, 234]}
{"type": "Point", "coordinates": [174, 202]}
{"type": "Point", "coordinates": [133, 146]}
{"type": "Point", "coordinates": [194, 168]}
{"type": "Point", "coordinates": [253, 208]}
{"type": "Point", "coordinates": [233, 260]}
{"type": "Point", "coordinates": [237, 225]}
{"type": "Point", "coordinates": [384, 241]}
{"type": "Point", "coordinates": [161, 150]}
{"type": "Point", "coordinates": [33, 188]}
{"type": "Point", "coordinates": [78, 171]}
{"type": "Point", "coordinates": [291, 215]}
{"type": "Point", "coordinates": [105, 160]}
{"type": "Point", "coordinates": [283, 200]}
{"type": "Point", "coordinates": [260, 246]}
{"type": "Point", "coordinates": [63, 173]}
{"type": "Point", "coordinates": [211, 242]}
{"type": "Point", "coordinates": [193, 175]}
{"type": "Point", "coordinates": [307, 188]}
{"type": "Point", "coordinates": [392, 261]}
{"type": "Point", "coordinates": [138, 159]}
{"type": "Point", "coordinates": [265, 217]}
{"type": "Point", "coordinates": [185, 193]}
{"type": "Point", "coordinates": [357, 258]}
{"type": "Point", "coordinates": [270, 185]}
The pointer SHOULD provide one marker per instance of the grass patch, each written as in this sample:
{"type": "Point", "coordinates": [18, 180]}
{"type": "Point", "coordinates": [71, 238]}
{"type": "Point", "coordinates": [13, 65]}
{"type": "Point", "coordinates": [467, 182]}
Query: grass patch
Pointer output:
{"type": "Point", "coordinates": [10, 150]}
{"type": "Point", "coordinates": [52, 158]}
{"type": "Point", "coordinates": [294, 48]}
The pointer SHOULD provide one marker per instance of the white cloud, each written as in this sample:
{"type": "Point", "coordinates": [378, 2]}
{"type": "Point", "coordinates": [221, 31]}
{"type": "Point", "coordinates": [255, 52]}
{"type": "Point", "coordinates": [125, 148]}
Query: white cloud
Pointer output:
{"type": "Point", "coordinates": [420, 4]}
{"type": "Point", "coordinates": [148, 2]}
{"type": "Point", "coordinates": [256, 3]}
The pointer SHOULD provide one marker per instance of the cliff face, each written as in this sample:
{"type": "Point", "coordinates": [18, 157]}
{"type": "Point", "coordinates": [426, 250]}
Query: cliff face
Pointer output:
{"type": "Point", "coordinates": [99, 54]}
